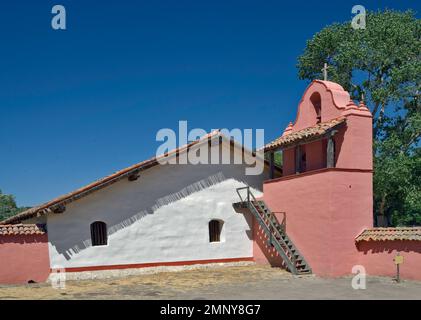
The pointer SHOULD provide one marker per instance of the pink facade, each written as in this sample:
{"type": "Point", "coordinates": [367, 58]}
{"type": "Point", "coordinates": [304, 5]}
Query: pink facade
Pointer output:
{"type": "Point", "coordinates": [263, 253]}
{"type": "Point", "coordinates": [327, 208]}
{"type": "Point", "coordinates": [329, 97]}
{"type": "Point", "coordinates": [24, 258]}
{"type": "Point", "coordinates": [321, 219]}
{"type": "Point", "coordinates": [378, 258]}
{"type": "Point", "coordinates": [353, 143]}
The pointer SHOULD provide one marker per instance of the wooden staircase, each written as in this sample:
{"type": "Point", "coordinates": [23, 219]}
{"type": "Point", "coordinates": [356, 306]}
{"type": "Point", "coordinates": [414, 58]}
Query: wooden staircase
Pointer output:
{"type": "Point", "coordinates": [275, 232]}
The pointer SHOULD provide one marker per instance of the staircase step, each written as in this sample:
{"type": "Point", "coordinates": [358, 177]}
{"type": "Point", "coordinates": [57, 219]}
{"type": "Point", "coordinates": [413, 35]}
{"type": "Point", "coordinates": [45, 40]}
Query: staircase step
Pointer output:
{"type": "Point", "coordinates": [278, 238]}
{"type": "Point", "coordinates": [303, 271]}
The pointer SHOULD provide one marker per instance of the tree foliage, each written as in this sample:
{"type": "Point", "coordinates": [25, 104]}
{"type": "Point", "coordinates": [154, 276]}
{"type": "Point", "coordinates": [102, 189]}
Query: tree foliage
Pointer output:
{"type": "Point", "coordinates": [383, 63]}
{"type": "Point", "coordinates": [8, 206]}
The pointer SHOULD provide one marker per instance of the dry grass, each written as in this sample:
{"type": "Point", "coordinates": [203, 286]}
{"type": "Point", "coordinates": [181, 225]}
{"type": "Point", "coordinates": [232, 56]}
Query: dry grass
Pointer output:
{"type": "Point", "coordinates": [160, 285]}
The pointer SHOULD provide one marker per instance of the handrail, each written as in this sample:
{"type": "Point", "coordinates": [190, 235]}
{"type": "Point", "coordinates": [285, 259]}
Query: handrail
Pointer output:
{"type": "Point", "coordinates": [248, 191]}
{"type": "Point", "coordinates": [283, 224]}
{"type": "Point", "coordinates": [271, 225]}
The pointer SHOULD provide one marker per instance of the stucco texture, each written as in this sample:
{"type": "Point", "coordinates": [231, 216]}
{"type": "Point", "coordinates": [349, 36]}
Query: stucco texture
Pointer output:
{"type": "Point", "coordinates": [161, 217]}
{"type": "Point", "coordinates": [326, 208]}
{"type": "Point", "coordinates": [378, 258]}
{"type": "Point", "coordinates": [325, 211]}
{"type": "Point", "coordinates": [23, 259]}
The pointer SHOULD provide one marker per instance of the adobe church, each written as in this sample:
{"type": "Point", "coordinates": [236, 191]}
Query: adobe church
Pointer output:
{"type": "Point", "coordinates": [313, 215]}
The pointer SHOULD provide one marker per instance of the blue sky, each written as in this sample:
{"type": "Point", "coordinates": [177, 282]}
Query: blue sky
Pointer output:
{"type": "Point", "coordinates": [79, 104]}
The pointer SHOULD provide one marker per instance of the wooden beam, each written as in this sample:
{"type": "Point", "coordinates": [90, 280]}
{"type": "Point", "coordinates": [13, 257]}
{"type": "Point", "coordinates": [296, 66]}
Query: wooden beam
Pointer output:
{"type": "Point", "coordinates": [272, 165]}
{"type": "Point", "coordinates": [134, 176]}
{"type": "Point", "coordinates": [330, 159]}
{"type": "Point", "coordinates": [59, 209]}
{"type": "Point", "coordinates": [297, 159]}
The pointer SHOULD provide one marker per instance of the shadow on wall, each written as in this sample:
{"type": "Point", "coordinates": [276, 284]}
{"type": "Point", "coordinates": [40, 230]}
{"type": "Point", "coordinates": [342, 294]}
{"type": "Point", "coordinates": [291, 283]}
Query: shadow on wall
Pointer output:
{"type": "Point", "coordinates": [388, 247]}
{"type": "Point", "coordinates": [249, 219]}
{"type": "Point", "coordinates": [164, 193]}
{"type": "Point", "coordinates": [24, 239]}
{"type": "Point", "coordinates": [263, 251]}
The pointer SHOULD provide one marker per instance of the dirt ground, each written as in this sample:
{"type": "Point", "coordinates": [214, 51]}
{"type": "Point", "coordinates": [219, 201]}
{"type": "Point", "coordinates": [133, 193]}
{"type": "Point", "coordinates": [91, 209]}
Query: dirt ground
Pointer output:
{"type": "Point", "coordinates": [245, 282]}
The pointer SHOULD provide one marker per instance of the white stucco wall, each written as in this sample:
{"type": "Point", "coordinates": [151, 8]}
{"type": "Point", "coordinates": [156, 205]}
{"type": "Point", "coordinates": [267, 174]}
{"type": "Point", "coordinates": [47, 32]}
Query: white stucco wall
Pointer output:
{"type": "Point", "coordinates": [161, 217]}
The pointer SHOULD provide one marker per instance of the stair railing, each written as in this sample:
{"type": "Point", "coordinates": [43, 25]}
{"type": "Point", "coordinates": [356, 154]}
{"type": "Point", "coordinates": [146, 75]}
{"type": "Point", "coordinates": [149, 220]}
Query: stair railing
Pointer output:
{"type": "Point", "coordinates": [283, 224]}
{"type": "Point", "coordinates": [269, 225]}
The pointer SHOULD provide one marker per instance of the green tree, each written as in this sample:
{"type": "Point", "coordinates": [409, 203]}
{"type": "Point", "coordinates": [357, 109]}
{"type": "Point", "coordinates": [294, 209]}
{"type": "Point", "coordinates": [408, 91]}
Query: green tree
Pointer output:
{"type": "Point", "coordinates": [8, 206]}
{"type": "Point", "coordinates": [277, 158]}
{"type": "Point", "coordinates": [382, 62]}
{"type": "Point", "coordinates": [397, 178]}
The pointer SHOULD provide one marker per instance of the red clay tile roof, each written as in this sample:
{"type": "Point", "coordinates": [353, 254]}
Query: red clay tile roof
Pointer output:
{"type": "Point", "coordinates": [390, 234]}
{"type": "Point", "coordinates": [58, 202]}
{"type": "Point", "coordinates": [305, 135]}
{"type": "Point", "coordinates": [22, 229]}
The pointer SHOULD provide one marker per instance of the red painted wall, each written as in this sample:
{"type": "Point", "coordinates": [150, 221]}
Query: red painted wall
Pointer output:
{"type": "Point", "coordinates": [325, 210]}
{"type": "Point", "coordinates": [263, 253]}
{"type": "Point", "coordinates": [24, 258]}
{"type": "Point", "coordinates": [288, 162]}
{"type": "Point", "coordinates": [316, 155]}
{"type": "Point", "coordinates": [377, 258]}
{"type": "Point", "coordinates": [333, 101]}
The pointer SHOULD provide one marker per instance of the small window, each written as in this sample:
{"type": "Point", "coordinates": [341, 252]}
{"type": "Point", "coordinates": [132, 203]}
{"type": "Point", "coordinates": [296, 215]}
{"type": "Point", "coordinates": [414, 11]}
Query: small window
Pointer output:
{"type": "Point", "coordinates": [215, 228]}
{"type": "Point", "coordinates": [99, 234]}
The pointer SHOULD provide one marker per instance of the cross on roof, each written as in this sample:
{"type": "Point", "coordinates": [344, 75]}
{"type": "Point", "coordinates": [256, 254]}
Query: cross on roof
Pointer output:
{"type": "Point", "coordinates": [325, 67]}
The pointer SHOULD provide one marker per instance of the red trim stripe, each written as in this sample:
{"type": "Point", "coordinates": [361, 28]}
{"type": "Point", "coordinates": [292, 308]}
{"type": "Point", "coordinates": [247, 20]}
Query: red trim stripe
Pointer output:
{"type": "Point", "coordinates": [155, 264]}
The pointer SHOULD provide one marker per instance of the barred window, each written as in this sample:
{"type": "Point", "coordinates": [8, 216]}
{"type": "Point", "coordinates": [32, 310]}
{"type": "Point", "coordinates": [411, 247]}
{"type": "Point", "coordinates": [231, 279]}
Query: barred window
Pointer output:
{"type": "Point", "coordinates": [215, 228]}
{"type": "Point", "coordinates": [99, 234]}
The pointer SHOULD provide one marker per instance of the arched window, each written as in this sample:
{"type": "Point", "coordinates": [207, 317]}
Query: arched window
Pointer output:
{"type": "Point", "coordinates": [215, 229]}
{"type": "Point", "coordinates": [99, 233]}
{"type": "Point", "coordinates": [316, 101]}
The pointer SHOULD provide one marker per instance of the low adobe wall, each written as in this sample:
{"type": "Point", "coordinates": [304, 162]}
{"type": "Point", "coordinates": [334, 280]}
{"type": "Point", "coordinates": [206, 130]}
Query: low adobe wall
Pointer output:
{"type": "Point", "coordinates": [377, 258]}
{"type": "Point", "coordinates": [24, 258]}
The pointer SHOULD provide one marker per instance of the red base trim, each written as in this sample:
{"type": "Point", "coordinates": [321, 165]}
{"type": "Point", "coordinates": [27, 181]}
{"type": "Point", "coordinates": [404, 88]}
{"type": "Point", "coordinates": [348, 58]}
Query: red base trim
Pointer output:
{"type": "Point", "coordinates": [155, 264]}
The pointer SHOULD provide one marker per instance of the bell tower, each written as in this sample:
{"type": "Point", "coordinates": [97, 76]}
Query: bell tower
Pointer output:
{"type": "Point", "coordinates": [325, 194]}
